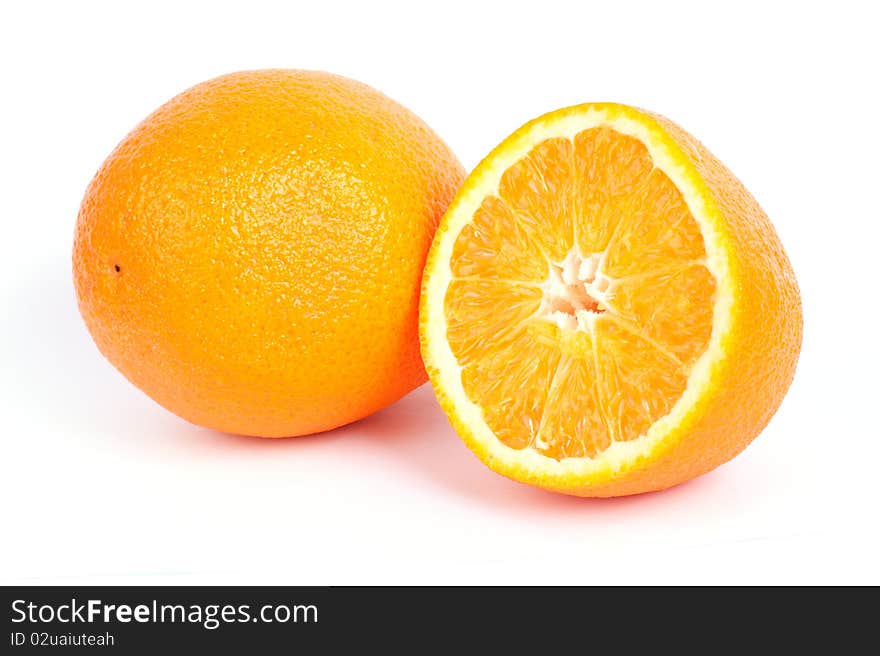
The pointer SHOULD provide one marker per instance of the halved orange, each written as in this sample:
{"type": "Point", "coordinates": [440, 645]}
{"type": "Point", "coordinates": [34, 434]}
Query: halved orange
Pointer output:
{"type": "Point", "coordinates": [605, 309]}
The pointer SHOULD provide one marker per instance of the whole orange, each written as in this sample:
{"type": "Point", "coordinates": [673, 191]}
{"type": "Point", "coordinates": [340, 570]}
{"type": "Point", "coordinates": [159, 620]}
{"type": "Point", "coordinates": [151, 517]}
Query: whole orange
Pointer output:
{"type": "Point", "coordinates": [250, 255]}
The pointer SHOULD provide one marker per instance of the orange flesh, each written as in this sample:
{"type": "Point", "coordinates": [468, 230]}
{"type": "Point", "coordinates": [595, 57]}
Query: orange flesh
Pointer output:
{"type": "Point", "coordinates": [580, 299]}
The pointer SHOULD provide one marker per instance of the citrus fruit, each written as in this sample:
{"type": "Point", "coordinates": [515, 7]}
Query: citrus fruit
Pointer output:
{"type": "Point", "coordinates": [605, 309]}
{"type": "Point", "coordinates": [250, 255]}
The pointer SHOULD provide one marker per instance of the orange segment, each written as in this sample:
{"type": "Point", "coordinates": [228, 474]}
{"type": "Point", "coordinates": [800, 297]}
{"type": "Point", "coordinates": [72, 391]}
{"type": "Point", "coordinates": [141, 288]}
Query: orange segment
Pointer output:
{"type": "Point", "coordinates": [492, 245]}
{"type": "Point", "coordinates": [602, 187]}
{"type": "Point", "coordinates": [608, 167]}
{"type": "Point", "coordinates": [639, 378]}
{"type": "Point", "coordinates": [668, 304]}
{"type": "Point", "coordinates": [655, 230]}
{"type": "Point", "coordinates": [477, 324]}
{"type": "Point", "coordinates": [538, 189]}
{"type": "Point", "coordinates": [493, 383]}
{"type": "Point", "coordinates": [605, 309]}
{"type": "Point", "coordinates": [572, 425]}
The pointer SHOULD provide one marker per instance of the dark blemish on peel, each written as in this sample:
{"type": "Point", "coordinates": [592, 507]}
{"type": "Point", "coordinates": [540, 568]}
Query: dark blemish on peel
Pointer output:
{"type": "Point", "coordinates": [116, 266]}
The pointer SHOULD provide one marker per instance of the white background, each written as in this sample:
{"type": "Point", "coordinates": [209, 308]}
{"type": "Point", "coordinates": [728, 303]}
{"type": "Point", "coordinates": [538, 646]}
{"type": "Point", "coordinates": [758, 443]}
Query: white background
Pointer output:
{"type": "Point", "coordinates": [100, 485]}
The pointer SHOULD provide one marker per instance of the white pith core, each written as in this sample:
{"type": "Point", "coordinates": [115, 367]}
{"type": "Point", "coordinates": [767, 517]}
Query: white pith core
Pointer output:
{"type": "Point", "coordinates": [576, 291]}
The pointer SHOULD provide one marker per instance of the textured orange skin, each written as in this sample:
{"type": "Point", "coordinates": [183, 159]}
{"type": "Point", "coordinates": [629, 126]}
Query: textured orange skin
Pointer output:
{"type": "Point", "coordinates": [760, 352]}
{"type": "Point", "coordinates": [250, 255]}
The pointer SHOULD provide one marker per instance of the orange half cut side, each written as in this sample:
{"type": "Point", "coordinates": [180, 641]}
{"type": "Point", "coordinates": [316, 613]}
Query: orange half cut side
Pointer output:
{"type": "Point", "coordinates": [577, 301]}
